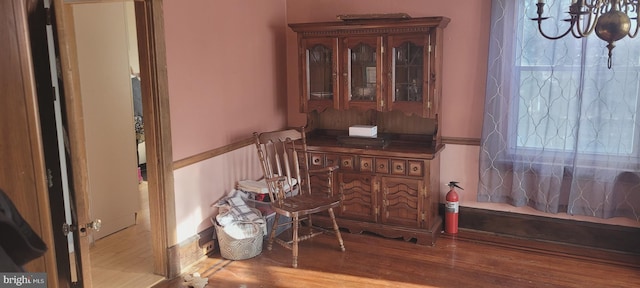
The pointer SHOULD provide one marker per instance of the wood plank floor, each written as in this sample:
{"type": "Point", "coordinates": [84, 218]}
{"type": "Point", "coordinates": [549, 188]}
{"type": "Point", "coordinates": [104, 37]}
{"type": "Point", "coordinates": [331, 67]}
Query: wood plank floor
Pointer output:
{"type": "Point", "coordinates": [125, 258]}
{"type": "Point", "coordinates": [372, 261]}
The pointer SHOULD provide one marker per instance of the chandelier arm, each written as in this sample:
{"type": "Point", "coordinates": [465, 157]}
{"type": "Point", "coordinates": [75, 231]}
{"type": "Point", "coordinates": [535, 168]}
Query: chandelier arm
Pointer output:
{"type": "Point", "coordinates": [552, 37]}
{"type": "Point", "coordinates": [636, 6]}
{"type": "Point", "coordinates": [635, 32]}
{"type": "Point", "coordinates": [591, 26]}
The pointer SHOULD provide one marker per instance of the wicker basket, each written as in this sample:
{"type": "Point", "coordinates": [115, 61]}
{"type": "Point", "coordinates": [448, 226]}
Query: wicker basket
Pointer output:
{"type": "Point", "coordinates": [239, 249]}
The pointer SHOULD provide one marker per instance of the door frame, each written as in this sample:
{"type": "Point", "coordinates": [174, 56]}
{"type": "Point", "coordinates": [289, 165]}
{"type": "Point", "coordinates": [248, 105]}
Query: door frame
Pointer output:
{"type": "Point", "coordinates": [26, 183]}
{"type": "Point", "coordinates": [155, 100]}
{"type": "Point", "coordinates": [50, 126]}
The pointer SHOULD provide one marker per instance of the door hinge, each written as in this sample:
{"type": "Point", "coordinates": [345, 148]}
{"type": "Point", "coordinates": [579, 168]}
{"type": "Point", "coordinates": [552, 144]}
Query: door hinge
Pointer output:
{"type": "Point", "coordinates": [68, 228]}
{"type": "Point", "coordinates": [48, 15]}
{"type": "Point", "coordinates": [377, 211]}
{"type": "Point", "coordinates": [423, 217]}
{"type": "Point", "coordinates": [49, 178]}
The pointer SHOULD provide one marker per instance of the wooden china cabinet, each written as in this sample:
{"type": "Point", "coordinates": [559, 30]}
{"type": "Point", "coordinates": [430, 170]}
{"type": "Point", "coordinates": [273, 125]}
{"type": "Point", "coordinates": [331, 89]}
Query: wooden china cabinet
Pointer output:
{"type": "Point", "coordinates": [384, 72]}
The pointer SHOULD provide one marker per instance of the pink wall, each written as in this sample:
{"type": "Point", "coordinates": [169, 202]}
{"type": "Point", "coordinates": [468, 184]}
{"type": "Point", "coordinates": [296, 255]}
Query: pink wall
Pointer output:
{"type": "Point", "coordinates": [233, 70]}
{"type": "Point", "coordinates": [226, 68]}
{"type": "Point", "coordinates": [466, 42]}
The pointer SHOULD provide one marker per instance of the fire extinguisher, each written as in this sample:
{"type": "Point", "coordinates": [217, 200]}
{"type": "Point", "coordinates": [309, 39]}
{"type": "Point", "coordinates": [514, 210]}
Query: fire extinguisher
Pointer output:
{"type": "Point", "coordinates": [451, 209]}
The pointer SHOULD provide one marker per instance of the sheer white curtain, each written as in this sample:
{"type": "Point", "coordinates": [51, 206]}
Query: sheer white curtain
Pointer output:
{"type": "Point", "coordinates": [561, 131]}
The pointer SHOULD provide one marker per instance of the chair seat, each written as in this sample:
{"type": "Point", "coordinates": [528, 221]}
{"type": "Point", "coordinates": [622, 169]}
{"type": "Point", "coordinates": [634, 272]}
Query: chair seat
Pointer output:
{"type": "Point", "coordinates": [305, 204]}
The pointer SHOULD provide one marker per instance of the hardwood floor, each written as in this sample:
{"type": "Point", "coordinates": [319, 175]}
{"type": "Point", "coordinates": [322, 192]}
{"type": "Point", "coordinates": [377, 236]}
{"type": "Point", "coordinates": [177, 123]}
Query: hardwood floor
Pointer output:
{"type": "Point", "coordinates": [125, 258]}
{"type": "Point", "coordinates": [470, 259]}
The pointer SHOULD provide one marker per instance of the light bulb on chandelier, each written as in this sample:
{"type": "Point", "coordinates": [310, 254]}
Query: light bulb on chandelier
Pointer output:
{"type": "Point", "coordinates": [608, 18]}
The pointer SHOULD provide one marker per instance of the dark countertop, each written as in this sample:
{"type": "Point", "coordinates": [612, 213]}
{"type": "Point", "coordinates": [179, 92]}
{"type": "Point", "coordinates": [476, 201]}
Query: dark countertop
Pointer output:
{"type": "Point", "coordinates": [396, 145]}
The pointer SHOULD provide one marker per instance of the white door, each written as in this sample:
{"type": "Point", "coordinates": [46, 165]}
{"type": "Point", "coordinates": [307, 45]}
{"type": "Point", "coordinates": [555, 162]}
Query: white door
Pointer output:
{"type": "Point", "coordinates": [102, 45]}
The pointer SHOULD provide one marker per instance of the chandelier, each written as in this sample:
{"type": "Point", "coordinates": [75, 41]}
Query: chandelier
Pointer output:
{"type": "Point", "coordinates": [608, 18]}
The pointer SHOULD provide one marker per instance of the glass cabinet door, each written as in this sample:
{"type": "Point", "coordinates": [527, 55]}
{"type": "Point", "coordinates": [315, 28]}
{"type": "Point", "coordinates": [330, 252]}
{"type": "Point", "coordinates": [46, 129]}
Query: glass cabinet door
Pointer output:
{"type": "Point", "coordinates": [320, 85]}
{"type": "Point", "coordinates": [409, 82]}
{"type": "Point", "coordinates": [363, 72]}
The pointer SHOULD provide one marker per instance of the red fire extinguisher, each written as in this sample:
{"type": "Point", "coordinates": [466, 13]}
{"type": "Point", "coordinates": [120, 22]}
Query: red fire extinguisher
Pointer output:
{"type": "Point", "coordinates": [451, 209]}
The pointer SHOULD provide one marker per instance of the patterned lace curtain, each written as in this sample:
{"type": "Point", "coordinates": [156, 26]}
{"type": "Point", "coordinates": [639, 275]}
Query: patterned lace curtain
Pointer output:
{"type": "Point", "coordinates": [561, 131]}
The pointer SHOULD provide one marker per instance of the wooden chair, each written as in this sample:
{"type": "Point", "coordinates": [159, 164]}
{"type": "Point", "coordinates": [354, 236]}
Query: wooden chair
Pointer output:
{"type": "Point", "coordinates": [284, 159]}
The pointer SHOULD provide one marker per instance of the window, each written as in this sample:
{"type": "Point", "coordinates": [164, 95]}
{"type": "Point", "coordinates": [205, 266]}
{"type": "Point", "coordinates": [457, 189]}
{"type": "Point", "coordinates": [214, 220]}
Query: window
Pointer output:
{"type": "Point", "coordinates": [567, 99]}
{"type": "Point", "coordinates": [561, 131]}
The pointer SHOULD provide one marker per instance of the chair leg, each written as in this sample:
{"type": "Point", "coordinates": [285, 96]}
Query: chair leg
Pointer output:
{"type": "Point", "coordinates": [296, 224]}
{"type": "Point", "coordinates": [310, 224]}
{"type": "Point", "coordinates": [336, 229]}
{"type": "Point", "coordinates": [272, 234]}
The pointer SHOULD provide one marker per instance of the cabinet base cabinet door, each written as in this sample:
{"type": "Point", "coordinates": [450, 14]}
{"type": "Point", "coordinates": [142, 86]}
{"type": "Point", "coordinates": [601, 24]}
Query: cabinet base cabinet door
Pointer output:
{"type": "Point", "coordinates": [357, 197]}
{"type": "Point", "coordinates": [402, 203]}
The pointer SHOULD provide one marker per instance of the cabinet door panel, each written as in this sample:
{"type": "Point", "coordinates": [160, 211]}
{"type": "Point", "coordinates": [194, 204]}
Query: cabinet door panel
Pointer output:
{"type": "Point", "coordinates": [362, 72]}
{"type": "Point", "coordinates": [402, 203]}
{"type": "Point", "coordinates": [319, 65]}
{"type": "Point", "coordinates": [410, 88]}
{"type": "Point", "coordinates": [358, 194]}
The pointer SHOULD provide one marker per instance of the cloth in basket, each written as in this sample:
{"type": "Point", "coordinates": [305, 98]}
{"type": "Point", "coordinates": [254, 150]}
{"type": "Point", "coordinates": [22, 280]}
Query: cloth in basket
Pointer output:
{"type": "Point", "coordinates": [236, 217]}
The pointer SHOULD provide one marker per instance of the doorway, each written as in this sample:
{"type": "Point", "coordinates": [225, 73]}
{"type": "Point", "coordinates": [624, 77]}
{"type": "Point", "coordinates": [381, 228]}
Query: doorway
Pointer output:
{"type": "Point", "coordinates": [155, 101]}
{"type": "Point", "coordinates": [106, 43]}
{"type": "Point", "coordinates": [104, 61]}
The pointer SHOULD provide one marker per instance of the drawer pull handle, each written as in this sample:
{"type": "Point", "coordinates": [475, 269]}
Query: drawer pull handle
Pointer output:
{"type": "Point", "coordinates": [399, 167]}
{"type": "Point", "coordinates": [415, 168]}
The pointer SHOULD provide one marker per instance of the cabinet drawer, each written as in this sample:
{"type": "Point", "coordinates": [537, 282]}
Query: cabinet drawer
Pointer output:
{"type": "Point", "coordinates": [317, 160]}
{"type": "Point", "coordinates": [331, 160]}
{"type": "Point", "coordinates": [366, 164]}
{"type": "Point", "coordinates": [382, 165]}
{"type": "Point", "coordinates": [415, 168]}
{"type": "Point", "coordinates": [346, 162]}
{"type": "Point", "coordinates": [398, 167]}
